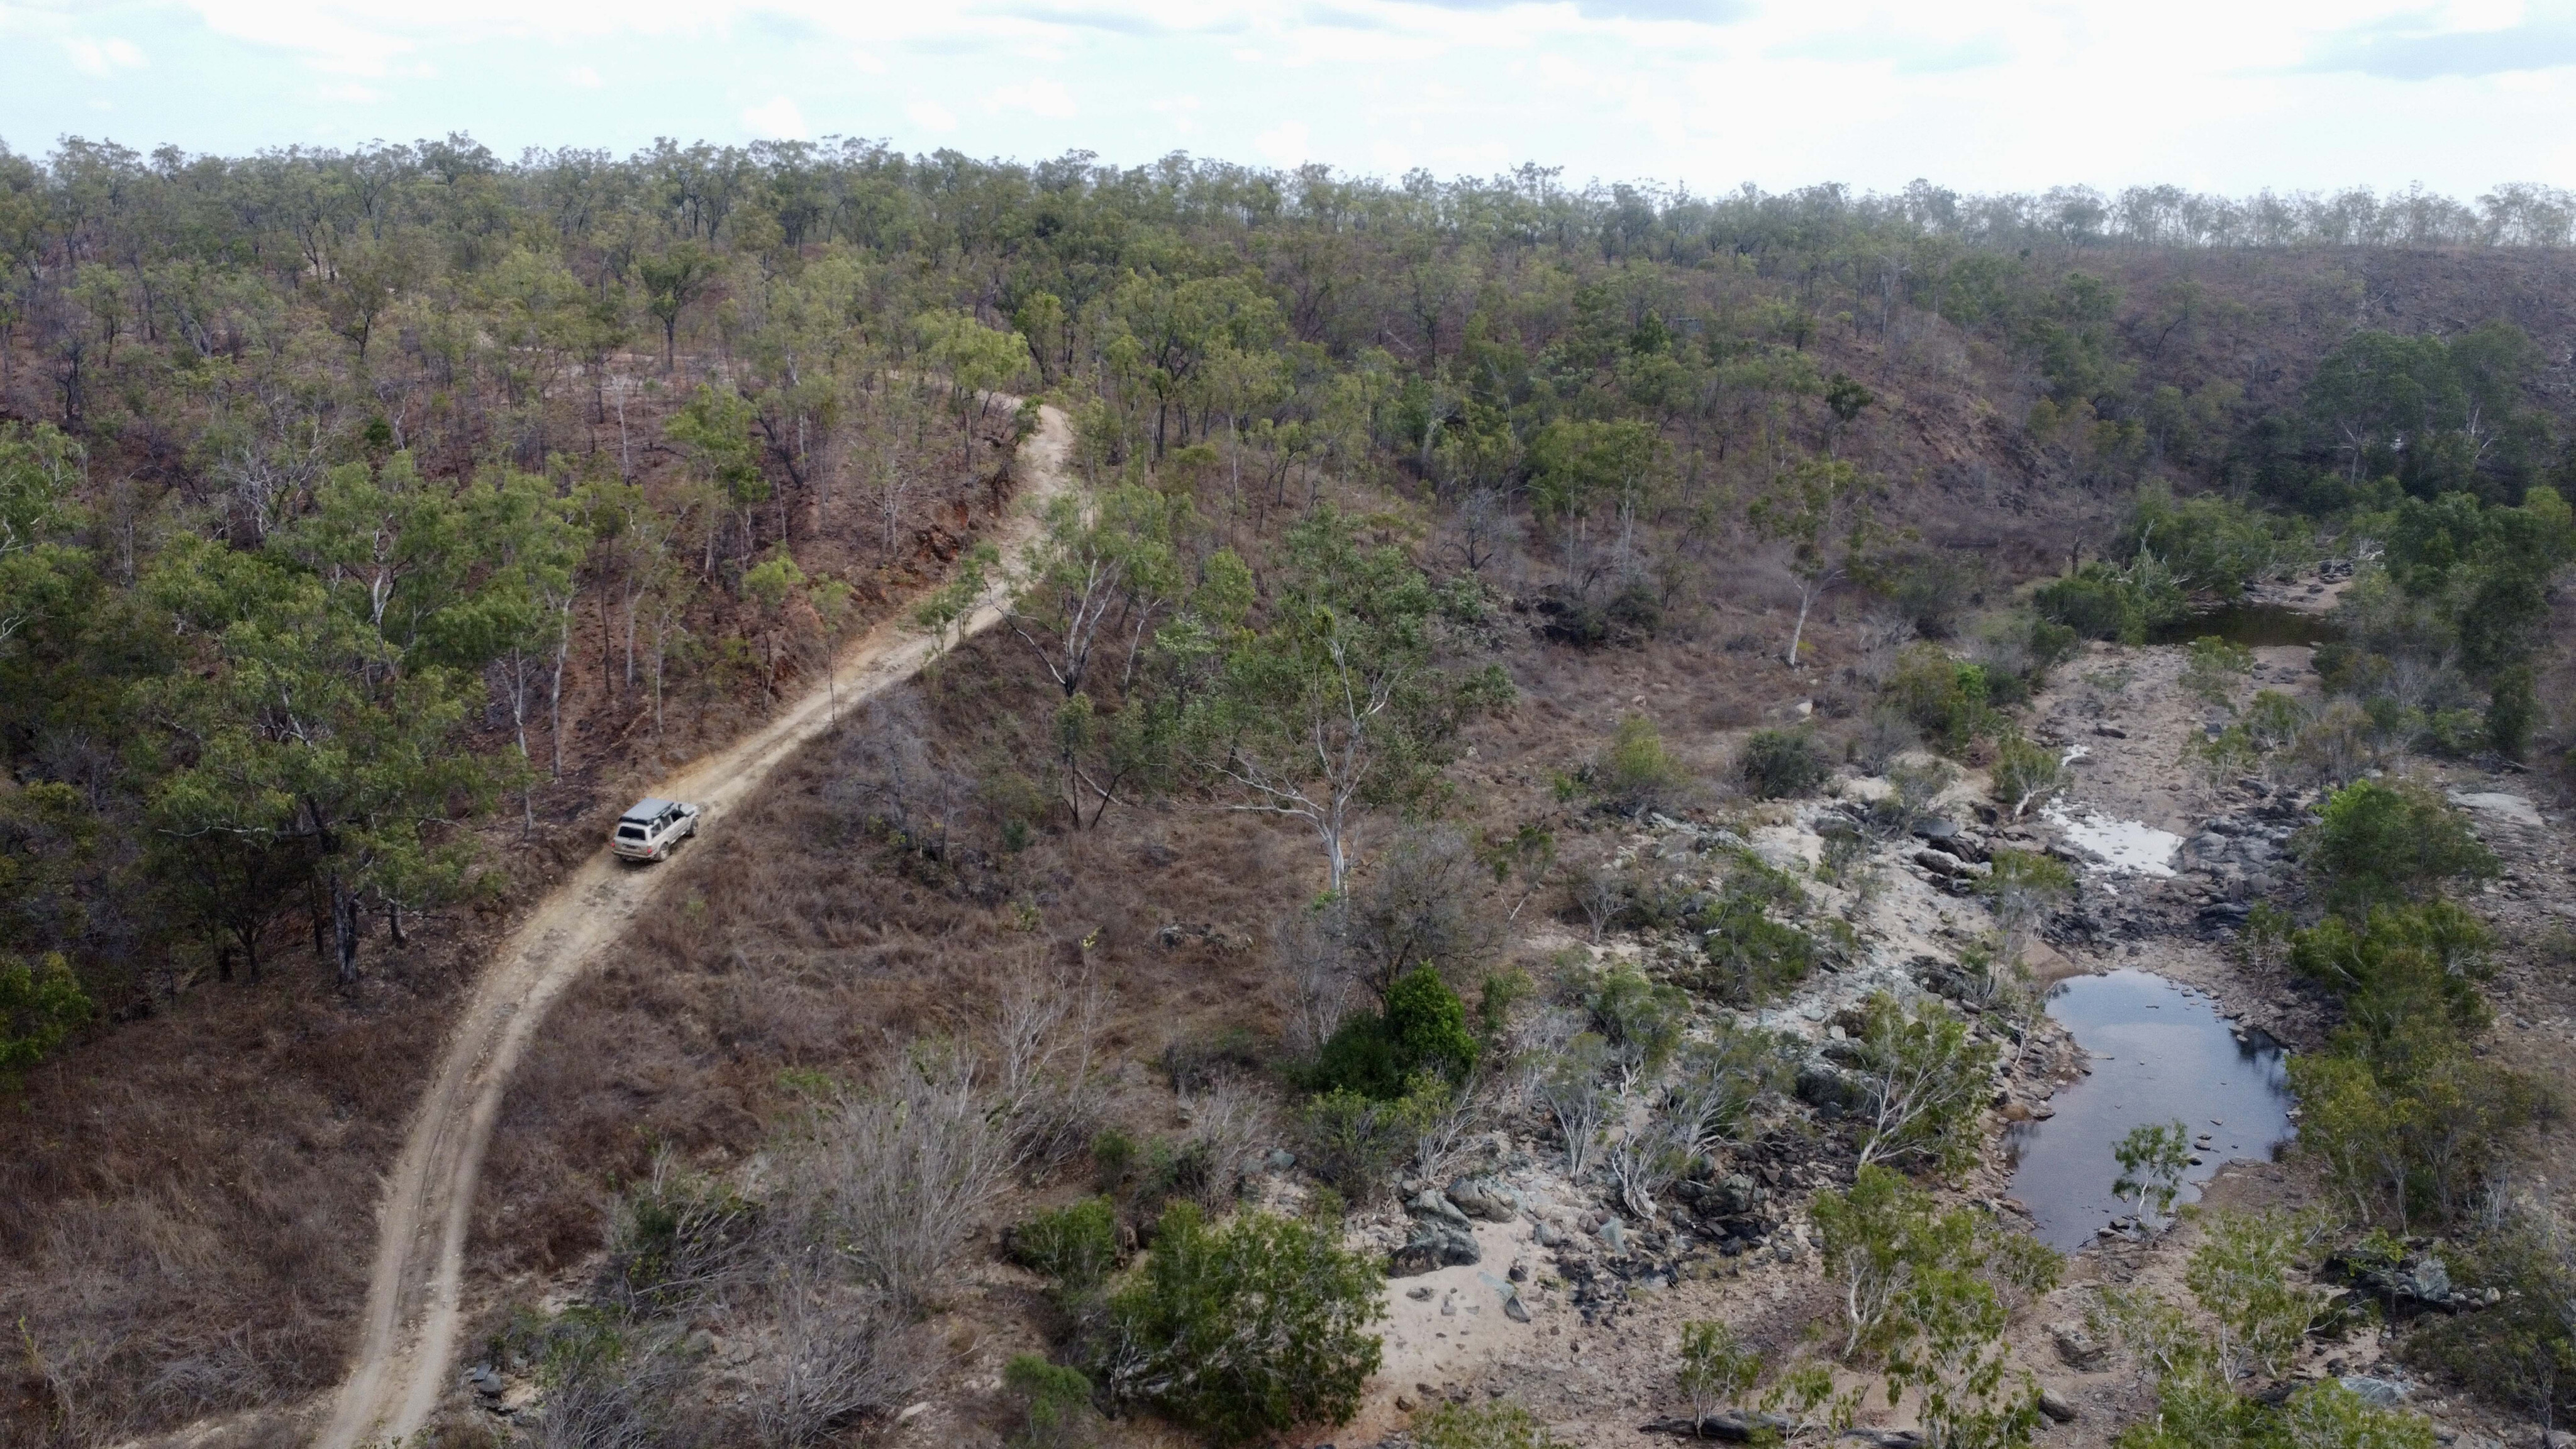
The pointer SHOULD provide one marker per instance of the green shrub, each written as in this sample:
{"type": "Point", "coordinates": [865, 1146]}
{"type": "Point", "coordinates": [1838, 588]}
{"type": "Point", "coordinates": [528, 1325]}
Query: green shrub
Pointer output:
{"type": "Point", "coordinates": [1076, 1245]}
{"type": "Point", "coordinates": [39, 1006]}
{"type": "Point", "coordinates": [675, 1238]}
{"type": "Point", "coordinates": [1945, 699]}
{"type": "Point", "coordinates": [1246, 1329]}
{"type": "Point", "coordinates": [1422, 1030]}
{"type": "Point", "coordinates": [1751, 957]}
{"type": "Point", "coordinates": [1635, 772]}
{"type": "Point", "coordinates": [1355, 1141]}
{"type": "Point", "coordinates": [1113, 1158]}
{"type": "Point", "coordinates": [2400, 962]}
{"type": "Point", "coordinates": [2375, 844]}
{"type": "Point", "coordinates": [1716, 1368]}
{"type": "Point", "coordinates": [2025, 772]}
{"type": "Point", "coordinates": [2212, 668]}
{"type": "Point", "coordinates": [1781, 763]}
{"type": "Point", "coordinates": [1055, 1404]}
{"type": "Point", "coordinates": [1923, 1082]}
{"type": "Point", "coordinates": [1641, 1020]}
{"type": "Point", "coordinates": [1498, 1424]}
{"type": "Point", "coordinates": [2100, 601]}
{"type": "Point", "coordinates": [2211, 542]}
{"type": "Point", "coordinates": [2513, 712]}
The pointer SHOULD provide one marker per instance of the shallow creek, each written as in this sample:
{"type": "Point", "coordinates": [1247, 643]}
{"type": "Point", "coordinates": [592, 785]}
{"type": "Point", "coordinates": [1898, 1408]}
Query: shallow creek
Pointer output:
{"type": "Point", "coordinates": [2159, 1053]}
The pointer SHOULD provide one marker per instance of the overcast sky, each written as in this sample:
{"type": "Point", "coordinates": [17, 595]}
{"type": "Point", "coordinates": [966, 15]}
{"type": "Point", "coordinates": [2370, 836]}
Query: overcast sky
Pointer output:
{"type": "Point", "coordinates": [1976, 94]}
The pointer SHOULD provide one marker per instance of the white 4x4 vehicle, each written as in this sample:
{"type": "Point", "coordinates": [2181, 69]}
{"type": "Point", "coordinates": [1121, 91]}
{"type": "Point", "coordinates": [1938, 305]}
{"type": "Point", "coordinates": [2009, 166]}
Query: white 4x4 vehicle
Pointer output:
{"type": "Point", "coordinates": [651, 828]}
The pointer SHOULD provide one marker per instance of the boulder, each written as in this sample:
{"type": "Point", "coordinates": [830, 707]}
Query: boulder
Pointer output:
{"type": "Point", "coordinates": [1434, 1244]}
{"type": "Point", "coordinates": [1434, 1205]}
{"type": "Point", "coordinates": [1615, 1233]}
{"type": "Point", "coordinates": [1483, 1197]}
{"type": "Point", "coordinates": [2379, 1392]}
{"type": "Point", "coordinates": [1828, 1088]}
{"type": "Point", "coordinates": [1730, 1426]}
{"type": "Point", "coordinates": [2054, 1405]}
{"type": "Point", "coordinates": [1735, 1195]}
{"type": "Point", "coordinates": [2079, 1350]}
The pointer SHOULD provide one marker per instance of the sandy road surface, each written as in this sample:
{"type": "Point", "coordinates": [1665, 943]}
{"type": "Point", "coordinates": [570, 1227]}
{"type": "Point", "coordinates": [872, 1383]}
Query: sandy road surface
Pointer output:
{"type": "Point", "coordinates": [412, 1296]}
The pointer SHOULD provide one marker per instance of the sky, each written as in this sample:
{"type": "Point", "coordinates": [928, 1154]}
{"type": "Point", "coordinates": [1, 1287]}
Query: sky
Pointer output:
{"type": "Point", "coordinates": [1985, 95]}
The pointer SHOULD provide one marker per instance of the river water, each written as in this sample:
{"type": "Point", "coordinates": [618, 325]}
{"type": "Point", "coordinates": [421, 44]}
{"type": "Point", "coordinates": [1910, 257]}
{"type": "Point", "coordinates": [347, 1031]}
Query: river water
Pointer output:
{"type": "Point", "coordinates": [2159, 1053]}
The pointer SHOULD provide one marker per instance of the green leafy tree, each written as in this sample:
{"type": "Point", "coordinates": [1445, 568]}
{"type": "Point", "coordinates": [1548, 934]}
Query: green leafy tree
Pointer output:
{"type": "Point", "coordinates": [1924, 1079]}
{"type": "Point", "coordinates": [1821, 509]}
{"type": "Point", "coordinates": [2243, 1276]}
{"type": "Point", "coordinates": [41, 1002]}
{"type": "Point", "coordinates": [2152, 1158]}
{"type": "Point", "coordinates": [1717, 1368]}
{"type": "Point", "coordinates": [1245, 1329]}
{"type": "Point", "coordinates": [304, 729]}
{"type": "Point", "coordinates": [672, 280]}
{"type": "Point", "coordinates": [2384, 844]}
{"type": "Point", "coordinates": [1343, 703]}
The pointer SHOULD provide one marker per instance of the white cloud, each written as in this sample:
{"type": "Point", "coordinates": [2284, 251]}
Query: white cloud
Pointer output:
{"type": "Point", "coordinates": [1039, 96]}
{"type": "Point", "coordinates": [776, 120]}
{"type": "Point", "coordinates": [583, 77]}
{"type": "Point", "coordinates": [103, 57]}
{"type": "Point", "coordinates": [931, 116]}
{"type": "Point", "coordinates": [867, 61]}
{"type": "Point", "coordinates": [1285, 145]}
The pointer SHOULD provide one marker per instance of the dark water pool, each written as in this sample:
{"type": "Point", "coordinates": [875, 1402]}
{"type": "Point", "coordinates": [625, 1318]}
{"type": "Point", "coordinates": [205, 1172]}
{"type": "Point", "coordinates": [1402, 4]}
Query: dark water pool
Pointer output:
{"type": "Point", "coordinates": [2251, 625]}
{"type": "Point", "coordinates": [2159, 1052]}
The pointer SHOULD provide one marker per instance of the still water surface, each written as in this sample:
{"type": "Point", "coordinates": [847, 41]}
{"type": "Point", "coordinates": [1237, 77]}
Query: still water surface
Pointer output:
{"type": "Point", "coordinates": [2252, 625]}
{"type": "Point", "coordinates": [2159, 1052]}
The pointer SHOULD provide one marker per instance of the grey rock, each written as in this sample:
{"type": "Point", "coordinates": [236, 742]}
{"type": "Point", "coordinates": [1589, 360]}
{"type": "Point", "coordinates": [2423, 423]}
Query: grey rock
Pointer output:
{"type": "Point", "coordinates": [1514, 1309]}
{"type": "Point", "coordinates": [1434, 1244]}
{"type": "Point", "coordinates": [1827, 1088]}
{"type": "Point", "coordinates": [1433, 1204]}
{"type": "Point", "coordinates": [1281, 1159]}
{"type": "Point", "coordinates": [1483, 1197]}
{"type": "Point", "coordinates": [1736, 1195]}
{"type": "Point", "coordinates": [2431, 1281]}
{"type": "Point", "coordinates": [2079, 1350]}
{"type": "Point", "coordinates": [2384, 1393]}
{"type": "Point", "coordinates": [2054, 1405]}
{"type": "Point", "coordinates": [1547, 1236]}
{"type": "Point", "coordinates": [1615, 1233]}
{"type": "Point", "coordinates": [482, 1380]}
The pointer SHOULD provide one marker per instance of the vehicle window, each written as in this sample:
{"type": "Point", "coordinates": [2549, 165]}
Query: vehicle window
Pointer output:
{"type": "Point", "coordinates": [630, 832]}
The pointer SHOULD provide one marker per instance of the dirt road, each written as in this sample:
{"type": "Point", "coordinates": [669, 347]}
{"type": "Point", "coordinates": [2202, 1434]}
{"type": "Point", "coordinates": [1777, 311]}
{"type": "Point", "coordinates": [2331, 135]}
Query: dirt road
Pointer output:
{"type": "Point", "coordinates": [412, 1309]}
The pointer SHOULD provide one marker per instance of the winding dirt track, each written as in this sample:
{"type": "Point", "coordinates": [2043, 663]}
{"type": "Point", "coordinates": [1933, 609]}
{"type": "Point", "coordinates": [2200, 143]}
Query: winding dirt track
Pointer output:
{"type": "Point", "coordinates": [412, 1295]}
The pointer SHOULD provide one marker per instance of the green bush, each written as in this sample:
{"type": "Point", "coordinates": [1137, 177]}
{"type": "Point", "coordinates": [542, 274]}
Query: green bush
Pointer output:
{"type": "Point", "coordinates": [2379, 844]}
{"type": "Point", "coordinates": [2211, 543]}
{"type": "Point", "coordinates": [1945, 699]}
{"type": "Point", "coordinates": [1055, 1404]}
{"type": "Point", "coordinates": [1076, 1245]}
{"type": "Point", "coordinates": [2513, 712]}
{"type": "Point", "coordinates": [1781, 763]}
{"type": "Point", "coordinates": [1635, 772]}
{"type": "Point", "coordinates": [1641, 1020]}
{"type": "Point", "coordinates": [1355, 1141]}
{"type": "Point", "coordinates": [2401, 962]}
{"type": "Point", "coordinates": [1422, 1030]}
{"type": "Point", "coordinates": [2025, 772]}
{"type": "Point", "coordinates": [1246, 1329]}
{"type": "Point", "coordinates": [1498, 1424]}
{"type": "Point", "coordinates": [1751, 957]}
{"type": "Point", "coordinates": [2100, 601]}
